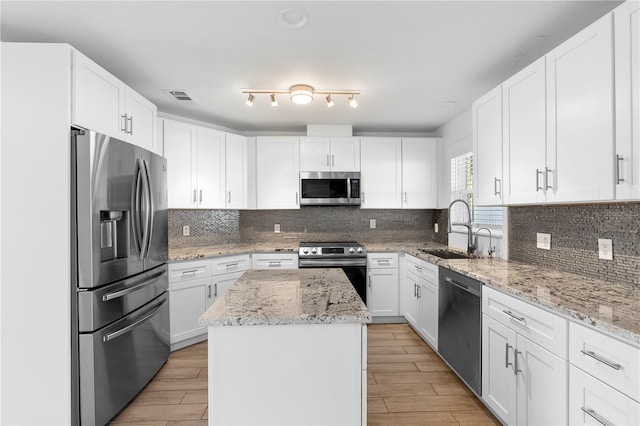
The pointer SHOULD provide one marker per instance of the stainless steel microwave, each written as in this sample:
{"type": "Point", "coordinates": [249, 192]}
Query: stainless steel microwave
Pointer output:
{"type": "Point", "coordinates": [329, 188]}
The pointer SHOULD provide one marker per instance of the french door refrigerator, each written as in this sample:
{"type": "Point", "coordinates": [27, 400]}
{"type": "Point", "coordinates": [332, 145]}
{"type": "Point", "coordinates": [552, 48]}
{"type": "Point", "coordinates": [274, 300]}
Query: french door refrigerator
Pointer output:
{"type": "Point", "coordinates": [119, 300]}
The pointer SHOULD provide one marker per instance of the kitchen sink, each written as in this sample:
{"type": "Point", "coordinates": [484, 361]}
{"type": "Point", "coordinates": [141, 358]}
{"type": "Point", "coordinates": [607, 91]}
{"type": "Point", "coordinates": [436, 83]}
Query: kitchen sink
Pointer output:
{"type": "Point", "coordinates": [446, 254]}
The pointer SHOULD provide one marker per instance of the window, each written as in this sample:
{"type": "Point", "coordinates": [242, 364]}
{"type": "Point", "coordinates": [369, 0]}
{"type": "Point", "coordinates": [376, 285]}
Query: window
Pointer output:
{"type": "Point", "coordinates": [462, 188]}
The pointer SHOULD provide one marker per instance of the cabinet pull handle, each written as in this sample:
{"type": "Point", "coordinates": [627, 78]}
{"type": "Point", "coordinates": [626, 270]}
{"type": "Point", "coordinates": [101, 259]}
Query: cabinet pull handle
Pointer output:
{"type": "Point", "coordinates": [123, 125]}
{"type": "Point", "coordinates": [194, 196]}
{"type": "Point", "coordinates": [189, 272]}
{"type": "Point", "coordinates": [201, 196]}
{"type": "Point", "coordinates": [209, 291]}
{"type": "Point", "coordinates": [538, 187]}
{"type": "Point", "coordinates": [229, 196]}
{"type": "Point", "coordinates": [415, 291]}
{"type": "Point", "coordinates": [275, 263]}
{"type": "Point", "coordinates": [521, 319]}
{"type": "Point", "coordinates": [619, 158]}
{"type": "Point", "coordinates": [130, 121]}
{"type": "Point", "coordinates": [370, 281]}
{"type": "Point", "coordinates": [215, 290]}
{"type": "Point", "coordinates": [600, 358]}
{"type": "Point", "coordinates": [546, 178]}
{"type": "Point", "coordinates": [506, 355]}
{"type": "Point", "coordinates": [418, 268]}
{"type": "Point", "coordinates": [495, 187]}
{"type": "Point", "coordinates": [419, 291]}
{"type": "Point", "coordinates": [232, 265]}
{"type": "Point", "coordinates": [333, 160]}
{"type": "Point", "coordinates": [597, 417]}
{"type": "Point", "coordinates": [328, 164]}
{"type": "Point", "coordinates": [516, 352]}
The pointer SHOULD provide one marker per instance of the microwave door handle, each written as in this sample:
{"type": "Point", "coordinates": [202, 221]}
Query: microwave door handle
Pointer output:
{"type": "Point", "coordinates": [348, 188]}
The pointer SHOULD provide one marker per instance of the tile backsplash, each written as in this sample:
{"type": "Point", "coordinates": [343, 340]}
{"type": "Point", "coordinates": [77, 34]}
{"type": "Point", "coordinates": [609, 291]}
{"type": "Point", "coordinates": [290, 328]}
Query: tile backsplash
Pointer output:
{"type": "Point", "coordinates": [211, 227]}
{"type": "Point", "coordinates": [575, 230]}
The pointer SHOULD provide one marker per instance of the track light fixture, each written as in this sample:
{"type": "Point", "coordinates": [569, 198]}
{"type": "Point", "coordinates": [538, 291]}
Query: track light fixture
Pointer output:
{"type": "Point", "coordinates": [302, 94]}
{"type": "Point", "coordinates": [330, 102]}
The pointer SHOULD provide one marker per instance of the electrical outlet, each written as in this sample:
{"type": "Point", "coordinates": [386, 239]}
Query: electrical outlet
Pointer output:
{"type": "Point", "coordinates": [435, 227]}
{"type": "Point", "coordinates": [543, 241]}
{"type": "Point", "coordinates": [605, 249]}
{"type": "Point", "coordinates": [372, 223]}
{"type": "Point", "coordinates": [276, 228]}
{"type": "Point", "coordinates": [185, 231]}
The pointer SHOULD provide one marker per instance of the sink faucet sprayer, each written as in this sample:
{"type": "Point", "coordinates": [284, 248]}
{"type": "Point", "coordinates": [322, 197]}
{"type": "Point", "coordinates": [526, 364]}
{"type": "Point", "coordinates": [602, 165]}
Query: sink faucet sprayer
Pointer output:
{"type": "Point", "coordinates": [470, 247]}
{"type": "Point", "coordinates": [491, 249]}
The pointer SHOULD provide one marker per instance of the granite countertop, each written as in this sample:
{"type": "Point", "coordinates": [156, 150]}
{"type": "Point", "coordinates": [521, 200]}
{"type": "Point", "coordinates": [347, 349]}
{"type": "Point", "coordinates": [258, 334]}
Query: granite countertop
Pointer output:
{"type": "Point", "coordinates": [293, 296]}
{"type": "Point", "coordinates": [612, 308]}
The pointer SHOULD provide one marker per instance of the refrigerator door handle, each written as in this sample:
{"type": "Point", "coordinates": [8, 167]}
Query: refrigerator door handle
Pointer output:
{"type": "Point", "coordinates": [135, 210]}
{"type": "Point", "coordinates": [150, 214]}
{"type": "Point", "coordinates": [124, 292]}
{"type": "Point", "coordinates": [130, 327]}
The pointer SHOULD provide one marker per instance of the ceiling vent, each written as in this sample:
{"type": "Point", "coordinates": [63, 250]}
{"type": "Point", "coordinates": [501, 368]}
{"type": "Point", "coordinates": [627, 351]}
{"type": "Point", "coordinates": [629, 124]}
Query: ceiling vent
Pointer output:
{"type": "Point", "coordinates": [181, 96]}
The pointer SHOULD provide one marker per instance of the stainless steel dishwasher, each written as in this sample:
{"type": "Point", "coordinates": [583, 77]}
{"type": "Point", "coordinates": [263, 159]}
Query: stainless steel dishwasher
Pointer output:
{"type": "Point", "coordinates": [460, 326]}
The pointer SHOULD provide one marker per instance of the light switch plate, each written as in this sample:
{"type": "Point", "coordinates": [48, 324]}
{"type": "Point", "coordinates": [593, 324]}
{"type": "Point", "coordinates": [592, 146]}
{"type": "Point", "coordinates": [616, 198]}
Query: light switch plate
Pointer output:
{"type": "Point", "coordinates": [185, 231]}
{"type": "Point", "coordinates": [605, 249]}
{"type": "Point", "coordinates": [544, 241]}
{"type": "Point", "coordinates": [435, 227]}
{"type": "Point", "coordinates": [372, 223]}
{"type": "Point", "coordinates": [276, 228]}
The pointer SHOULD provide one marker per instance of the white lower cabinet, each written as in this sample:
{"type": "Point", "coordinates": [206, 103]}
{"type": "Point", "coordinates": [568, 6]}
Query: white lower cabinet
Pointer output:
{"type": "Point", "coordinates": [524, 365]}
{"type": "Point", "coordinates": [382, 284]}
{"type": "Point", "coordinates": [420, 293]}
{"type": "Point", "coordinates": [187, 301]}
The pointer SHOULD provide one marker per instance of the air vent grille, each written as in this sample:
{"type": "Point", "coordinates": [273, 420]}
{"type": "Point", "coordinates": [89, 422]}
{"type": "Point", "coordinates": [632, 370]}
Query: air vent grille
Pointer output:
{"type": "Point", "coordinates": [180, 95]}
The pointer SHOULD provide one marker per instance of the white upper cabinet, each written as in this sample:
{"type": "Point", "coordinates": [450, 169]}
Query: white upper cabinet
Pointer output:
{"type": "Point", "coordinates": [106, 105]}
{"type": "Point", "coordinates": [580, 116]}
{"type": "Point", "coordinates": [487, 148]}
{"type": "Point", "coordinates": [195, 166]}
{"type": "Point", "coordinates": [524, 135]}
{"type": "Point", "coordinates": [318, 154]}
{"type": "Point", "coordinates": [237, 171]}
{"type": "Point", "coordinates": [627, 76]}
{"type": "Point", "coordinates": [419, 173]}
{"type": "Point", "coordinates": [381, 173]}
{"type": "Point", "coordinates": [278, 172]}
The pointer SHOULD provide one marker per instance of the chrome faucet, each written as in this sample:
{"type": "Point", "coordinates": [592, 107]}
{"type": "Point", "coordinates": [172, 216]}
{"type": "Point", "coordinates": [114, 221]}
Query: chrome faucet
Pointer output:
{"type": "Point", "coordinates": [491, 249]}
{"type": "Point", "coordinates": [470, 247]}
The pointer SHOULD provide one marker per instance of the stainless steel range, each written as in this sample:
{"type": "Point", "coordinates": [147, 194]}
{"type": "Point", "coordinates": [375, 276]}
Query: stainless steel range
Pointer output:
{"type": "Point", "coordinates": [348, 255]}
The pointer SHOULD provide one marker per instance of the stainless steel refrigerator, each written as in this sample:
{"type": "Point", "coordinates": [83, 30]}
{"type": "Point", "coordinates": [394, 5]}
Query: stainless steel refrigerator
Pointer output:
{"type": "Point", "coordinates": [119, 300]}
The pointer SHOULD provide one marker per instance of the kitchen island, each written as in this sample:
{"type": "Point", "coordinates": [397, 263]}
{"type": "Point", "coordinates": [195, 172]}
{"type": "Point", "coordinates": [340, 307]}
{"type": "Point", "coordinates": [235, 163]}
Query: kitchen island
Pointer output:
{"type": "Point", "coordinates": [288, 347]}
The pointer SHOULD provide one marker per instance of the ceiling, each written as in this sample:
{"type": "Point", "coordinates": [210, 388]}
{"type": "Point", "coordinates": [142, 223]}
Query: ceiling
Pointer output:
{"type": "Point", "coordinates": [411, 60]}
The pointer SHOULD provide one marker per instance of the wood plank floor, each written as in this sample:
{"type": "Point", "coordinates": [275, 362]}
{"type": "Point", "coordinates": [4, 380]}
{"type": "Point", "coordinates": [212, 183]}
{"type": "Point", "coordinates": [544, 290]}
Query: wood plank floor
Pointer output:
{"type": "Point", "coordinates": [408, 384]}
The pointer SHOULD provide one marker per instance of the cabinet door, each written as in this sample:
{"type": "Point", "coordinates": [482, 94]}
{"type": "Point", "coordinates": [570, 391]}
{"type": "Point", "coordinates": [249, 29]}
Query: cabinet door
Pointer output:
{"type": "Point", "coordinates": [315, 154]}
{"type": "Point", "coordinates": [428, 325]}
{"type": "Point", "coordinates": [591, 402]}
{"type": "Point", "coordinates": [98, 98]}
{"type": "Point", "coordinates": [179, 146]}
{"type": "Point", "coordinates": [141, 116]}
{"type": "Point", "coordinates": [210, 162]}
{"type": "Point", "coordinates": [419, 173]}
{"type": "Point", "coordinates": [412, 303]}
{"type": "Point", "coordinates": [487, 148]}
{"type": "Point", "coordinates": [382, 292]}
{"type": "Point", "coordinates": [187, 302]}
{"type": "Point", "coordinates": [278, 172]}
{"type": "Point", "coordinates": [381, 164]}
{"type": "Point", "coordinates": [345, 154]}
{"type": "Point", "coordinates": [498, 372]}
{"type": "Point", "coordinates": [237, 173]}
{"type": "Point", "coordinates": [580, 130]}
{"type": "Point", "coordinates": [542, 385]}
{"type": "Point", "coordinates": [627, 78]}
{"type": "Point", "coordinates": [524, 135]}
{"type": "Point", "coordinates": [221, 283]}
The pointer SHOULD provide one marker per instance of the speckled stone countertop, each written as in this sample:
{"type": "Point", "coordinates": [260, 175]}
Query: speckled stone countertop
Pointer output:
{"type": "Point", "coordinates": [612, 308]}
{"type": "Point", "coordinates": [293, 296]}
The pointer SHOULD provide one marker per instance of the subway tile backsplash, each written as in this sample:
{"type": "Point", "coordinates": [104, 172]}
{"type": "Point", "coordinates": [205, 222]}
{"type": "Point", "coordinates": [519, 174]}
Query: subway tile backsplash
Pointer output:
{"type": "Point", "coordinates": [575, 230]}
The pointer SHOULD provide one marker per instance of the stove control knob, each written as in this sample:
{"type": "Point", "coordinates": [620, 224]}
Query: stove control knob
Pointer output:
{"type": "Point", "coordinates": [314, 251]}
{"type": "Point", "coordinates": [351, 250]}
{"type": "Point", "coordinates": [359, 249]}
{"type": "Point", "coordinates": [305, 251]}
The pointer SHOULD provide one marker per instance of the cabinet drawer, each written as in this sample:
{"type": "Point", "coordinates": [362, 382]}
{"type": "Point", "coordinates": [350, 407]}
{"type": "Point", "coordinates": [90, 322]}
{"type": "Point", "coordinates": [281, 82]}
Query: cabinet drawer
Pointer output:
{"type": "Point", "coordinates": [610, 360]}
{"type": "Point", "coordinates": [592, 402]}
{"type": "Point", "coordinates": [544, 328]}
{"type": "Point", "coordinates": [184, 271]}
{"type": "Point", "coordinates": [274, 261]}
{"type": "Point", "coordinates": [423, 269]}
{"type": "Point", "coordinates": [382, 260]}
{"type": "Point", "coordinates": [226, 264]}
